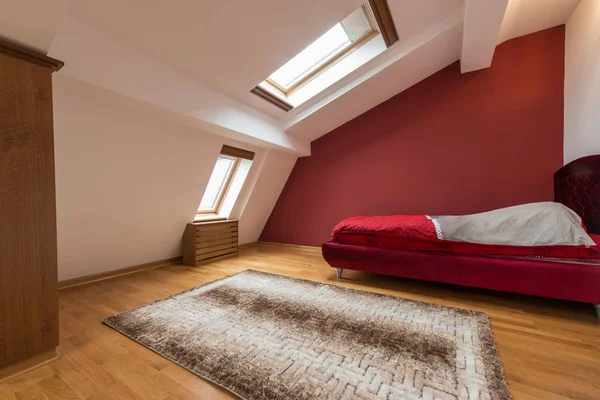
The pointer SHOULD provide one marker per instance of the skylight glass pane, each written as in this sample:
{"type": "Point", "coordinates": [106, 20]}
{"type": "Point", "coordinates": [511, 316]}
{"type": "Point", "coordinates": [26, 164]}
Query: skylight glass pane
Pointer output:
{"type": "Point", "coordinates": [324, 49]}
{"type": "Point", "coordinates": [312, 57]}
{"type": "Point", "coordinates": [356, 24]}
{"type": "Point", "coordinates": [216, 184]}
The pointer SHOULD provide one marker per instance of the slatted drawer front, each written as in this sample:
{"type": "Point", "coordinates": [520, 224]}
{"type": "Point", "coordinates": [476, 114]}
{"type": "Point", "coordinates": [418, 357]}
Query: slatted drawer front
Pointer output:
{"type": "Point", "coordinates": [210, 241]}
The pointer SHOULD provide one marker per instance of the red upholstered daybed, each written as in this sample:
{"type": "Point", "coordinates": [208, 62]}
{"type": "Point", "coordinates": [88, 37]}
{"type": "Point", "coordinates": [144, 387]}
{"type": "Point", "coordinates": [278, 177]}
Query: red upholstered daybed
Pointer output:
{"type": "Point", "coordinates": [576, 185]}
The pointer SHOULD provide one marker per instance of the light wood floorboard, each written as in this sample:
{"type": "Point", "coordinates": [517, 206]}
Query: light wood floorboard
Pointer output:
{"type": "Point", "coordinates": [550, 348]}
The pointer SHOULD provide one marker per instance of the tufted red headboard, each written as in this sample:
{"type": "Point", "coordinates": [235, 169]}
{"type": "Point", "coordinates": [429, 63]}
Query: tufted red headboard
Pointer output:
{"type": "Point", "coordinates": [577, 186]}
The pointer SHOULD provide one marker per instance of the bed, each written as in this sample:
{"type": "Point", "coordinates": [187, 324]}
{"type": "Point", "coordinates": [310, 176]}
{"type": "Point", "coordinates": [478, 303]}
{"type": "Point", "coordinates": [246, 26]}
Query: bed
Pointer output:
{"type": "Point", "coordinates": [541, 273]}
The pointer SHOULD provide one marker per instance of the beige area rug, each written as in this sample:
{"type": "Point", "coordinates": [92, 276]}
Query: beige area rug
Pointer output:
{"type": "Point", "coordinates": [265, 336]}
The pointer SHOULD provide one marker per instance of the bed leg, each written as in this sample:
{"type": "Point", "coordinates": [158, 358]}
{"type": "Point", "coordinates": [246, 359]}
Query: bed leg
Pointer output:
{"type": "Point", "coordinates": [340, 270]}
{"type": "Point", "coordinates": [597, 307]}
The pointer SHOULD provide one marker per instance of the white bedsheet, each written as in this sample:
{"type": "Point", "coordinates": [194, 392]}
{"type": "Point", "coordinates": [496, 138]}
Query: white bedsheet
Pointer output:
{"type": "Point", "coordinates": [534, 224]}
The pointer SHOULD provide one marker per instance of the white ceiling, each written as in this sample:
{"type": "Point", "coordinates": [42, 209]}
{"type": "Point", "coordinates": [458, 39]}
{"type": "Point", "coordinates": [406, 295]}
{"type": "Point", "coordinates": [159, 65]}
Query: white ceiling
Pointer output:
{"type": "Point", "coordinates": [231, 45]}
{"type": "Point", "coordinates": [413, 17]}
{"type": "Point", "coordinates": [224, 48]}
{"type": "Point", "coordinates": [523, 17]}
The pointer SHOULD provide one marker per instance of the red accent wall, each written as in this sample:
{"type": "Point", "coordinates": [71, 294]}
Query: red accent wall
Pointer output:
{"type": "Point", "coordinates": [452, 144]}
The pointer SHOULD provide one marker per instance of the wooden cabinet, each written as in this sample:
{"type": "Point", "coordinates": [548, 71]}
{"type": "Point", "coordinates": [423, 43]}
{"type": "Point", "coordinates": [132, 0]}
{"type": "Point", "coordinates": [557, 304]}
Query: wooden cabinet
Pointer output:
{"type": "Point", "coordinates": [205, 242]}
{"type": "Point", "coordinates": [28, 264]}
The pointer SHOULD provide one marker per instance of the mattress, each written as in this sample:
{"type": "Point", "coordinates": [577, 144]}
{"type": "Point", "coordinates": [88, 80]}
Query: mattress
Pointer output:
{"type": "Point", "coordinates": [418, 232]}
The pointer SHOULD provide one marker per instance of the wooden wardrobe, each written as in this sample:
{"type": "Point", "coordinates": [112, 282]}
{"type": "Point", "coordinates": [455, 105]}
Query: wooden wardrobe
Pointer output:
{"type": "Point", "coordinates": [28, 266]}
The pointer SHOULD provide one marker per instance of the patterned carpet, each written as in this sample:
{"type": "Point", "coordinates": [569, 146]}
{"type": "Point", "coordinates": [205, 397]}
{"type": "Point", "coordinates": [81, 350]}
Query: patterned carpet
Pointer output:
{"type": "Point", "coordinates": [265, 336]}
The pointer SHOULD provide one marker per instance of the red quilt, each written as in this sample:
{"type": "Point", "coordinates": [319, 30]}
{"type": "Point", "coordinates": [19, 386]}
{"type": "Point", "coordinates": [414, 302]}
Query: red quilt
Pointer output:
{"type": "Point", "coordinates": [417, 232]}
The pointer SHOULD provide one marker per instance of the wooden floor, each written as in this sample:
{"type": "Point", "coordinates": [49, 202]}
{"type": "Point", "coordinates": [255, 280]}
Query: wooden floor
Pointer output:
{"type": "Point", "coordinates": [550, 349]}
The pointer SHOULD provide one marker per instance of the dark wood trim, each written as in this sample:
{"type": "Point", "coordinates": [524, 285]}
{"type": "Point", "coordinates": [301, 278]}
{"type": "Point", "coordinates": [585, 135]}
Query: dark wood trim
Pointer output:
{"type": "Point", "coordinates": [117, 272]}
{"type": "Point", "coordinates": [22, 367]}
{"type": "Point", "coordinates": [247, 246]}
{"type": "Point", "coordinates": [312, 249]}
{"type": "Point", "coordinates": [237, 153]}
{"type": "Point", "coordinates": [30, 55]}
{"type": "Point", "coordinates": [382, 14]}
{"type": "Point", "coordinates": [260, 92]}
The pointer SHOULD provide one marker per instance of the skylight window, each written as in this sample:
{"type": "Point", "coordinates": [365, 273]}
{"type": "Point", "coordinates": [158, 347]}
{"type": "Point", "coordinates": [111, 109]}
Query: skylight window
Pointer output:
{"type": "Point", "coordinates": [338, 42]}
{"type": "Point", "coordinates": [311, 58]}
{"type": "Point", "coordinates": [345, 47]}
{"type": "Point", "coordinates": [217, 185]}
{"type": "Point", "coordinates": [226, 181]}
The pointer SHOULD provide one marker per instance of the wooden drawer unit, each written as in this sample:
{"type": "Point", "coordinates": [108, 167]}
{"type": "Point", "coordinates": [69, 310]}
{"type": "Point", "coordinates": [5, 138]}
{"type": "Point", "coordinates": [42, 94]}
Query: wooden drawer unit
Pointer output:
{"type": "Point", "coordinates": [205, 242]}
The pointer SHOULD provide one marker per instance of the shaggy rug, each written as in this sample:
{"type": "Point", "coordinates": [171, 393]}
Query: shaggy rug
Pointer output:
{"type": "Point", "coordinates": [265, 336]}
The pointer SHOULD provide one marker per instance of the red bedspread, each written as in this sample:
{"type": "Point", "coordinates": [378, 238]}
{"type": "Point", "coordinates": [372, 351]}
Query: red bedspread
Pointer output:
{"type": "Point", "coordinates": [417, 232]}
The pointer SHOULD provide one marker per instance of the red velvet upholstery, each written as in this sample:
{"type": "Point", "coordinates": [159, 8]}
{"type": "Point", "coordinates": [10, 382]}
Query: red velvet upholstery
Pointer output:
{"type": "Point", "coordinates": [576, 185]}
{"type": "Point", "coordinates": [579, 282]}
{"type": "Point", "coordinates": [417, 233]}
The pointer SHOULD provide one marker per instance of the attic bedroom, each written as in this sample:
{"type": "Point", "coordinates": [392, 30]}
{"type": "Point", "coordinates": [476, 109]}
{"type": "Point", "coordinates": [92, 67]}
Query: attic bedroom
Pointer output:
{"type": "Point", "coordinates": [269, 199]}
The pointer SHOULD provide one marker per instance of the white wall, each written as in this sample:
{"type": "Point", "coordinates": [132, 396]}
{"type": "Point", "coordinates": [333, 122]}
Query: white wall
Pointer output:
{"type": "Point", "coordinates": [582, 81]}
{"type": "Point", "coordinates": [276, 167]}
{"type": "Point", "coordinates": [31, 23]}
{"type": "Point", "coordinates": [128, 181]}
{"type": "Point", "coordinates": [523, 17]}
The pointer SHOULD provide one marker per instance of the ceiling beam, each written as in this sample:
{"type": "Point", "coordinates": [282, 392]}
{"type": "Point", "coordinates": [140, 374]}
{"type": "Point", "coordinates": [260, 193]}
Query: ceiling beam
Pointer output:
{"type": "Point", "coordinates": [483, 19]}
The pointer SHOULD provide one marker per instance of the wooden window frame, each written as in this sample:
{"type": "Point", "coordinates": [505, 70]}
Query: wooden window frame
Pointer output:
{"type": "Point", "coordinates": [383, 16]}
{"type": "Point", "coordinates": [238, 155]}
{"type": "Point", "coordinates": [226, 186]}
{"type": "Point", "coordinates": [380, 19]}
{"type": "Point", "coordinates": [370, 34]}
{"type": "Point", "coordinates": [271, 98]}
